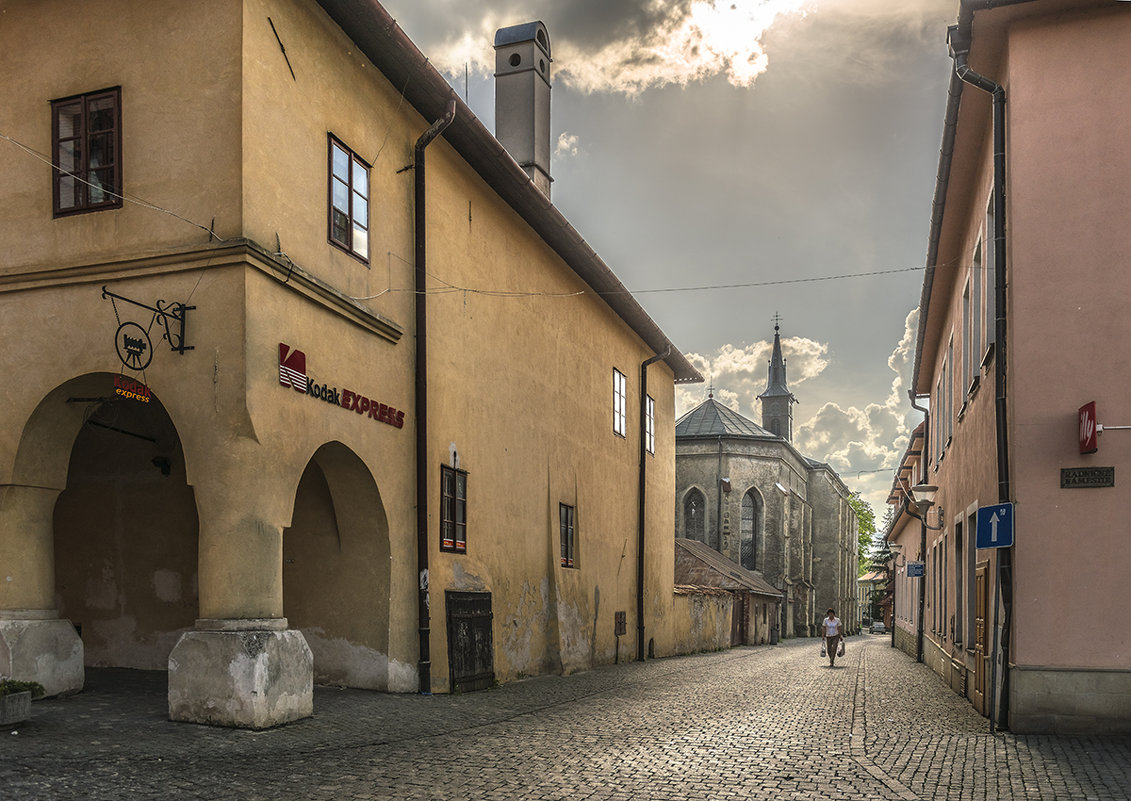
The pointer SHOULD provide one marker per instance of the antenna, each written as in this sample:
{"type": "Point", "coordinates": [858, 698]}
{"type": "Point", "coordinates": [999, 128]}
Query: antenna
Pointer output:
{"type": "Point", "coordinates": [465, 71]}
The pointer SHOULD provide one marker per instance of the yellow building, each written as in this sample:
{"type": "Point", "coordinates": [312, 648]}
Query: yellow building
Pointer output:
{"type": "Point", "coordinates": [244, 334]}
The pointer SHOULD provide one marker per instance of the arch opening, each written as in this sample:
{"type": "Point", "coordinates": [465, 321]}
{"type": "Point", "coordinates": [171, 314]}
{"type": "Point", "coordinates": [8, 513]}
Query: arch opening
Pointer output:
{"type": "Point", "coordinates": [336, 570]}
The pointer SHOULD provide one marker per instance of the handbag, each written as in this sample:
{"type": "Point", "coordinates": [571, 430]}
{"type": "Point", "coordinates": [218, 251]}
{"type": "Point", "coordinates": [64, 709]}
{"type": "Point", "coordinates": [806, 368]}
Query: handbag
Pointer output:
{"type": "Point", "coordinates": [840, 649]}
{"type": "Point", "coordinates": [822, 648]}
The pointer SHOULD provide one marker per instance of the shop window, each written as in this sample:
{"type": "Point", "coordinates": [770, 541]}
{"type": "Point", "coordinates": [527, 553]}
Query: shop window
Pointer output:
{"type": "Point", "coordinates": [453, 509]}
{"type": "Point", "coordinates": [86, 134]}
{"type": "Point", "coordinates": [349, 201]}
{"type": "Point", "coordinates": [567, 523]}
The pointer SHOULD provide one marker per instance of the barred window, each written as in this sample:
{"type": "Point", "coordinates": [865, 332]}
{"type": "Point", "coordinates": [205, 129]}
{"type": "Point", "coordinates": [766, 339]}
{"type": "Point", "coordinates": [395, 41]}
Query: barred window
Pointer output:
{"type": "Point", "coordinates": [566, 517]}
{"type": "Point", "coordinates": [453, 509]}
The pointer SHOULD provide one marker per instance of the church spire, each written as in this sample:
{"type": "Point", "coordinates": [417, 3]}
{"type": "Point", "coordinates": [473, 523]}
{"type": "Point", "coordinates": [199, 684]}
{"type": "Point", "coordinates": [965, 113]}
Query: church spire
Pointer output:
{"type": "Point", "coordinates": [777, 400]}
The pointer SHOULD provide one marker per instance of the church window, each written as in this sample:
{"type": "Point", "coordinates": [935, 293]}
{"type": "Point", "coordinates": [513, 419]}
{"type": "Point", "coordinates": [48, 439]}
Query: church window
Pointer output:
{"type": "Point", "coordinates": [751, 530]}
{"type": "Point", "coordinates": [694, 513]}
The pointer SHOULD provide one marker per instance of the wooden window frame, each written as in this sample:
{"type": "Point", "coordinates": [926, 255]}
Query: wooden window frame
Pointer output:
{"type": "Point", "coordinates": [567, 526]}
{"type": "Point", "coordinates": [348, 244]}
{"type": "Point", "coordinates": [81, 170]}
{"type": "Point", "coordinates": [453, 510]}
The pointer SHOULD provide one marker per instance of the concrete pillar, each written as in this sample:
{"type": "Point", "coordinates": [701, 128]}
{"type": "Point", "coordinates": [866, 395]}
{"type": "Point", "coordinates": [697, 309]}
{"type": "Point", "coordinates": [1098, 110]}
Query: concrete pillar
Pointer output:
{"type": "Point", "coordinates": [242, 666]}
{"type": "Point", "coordinates": [35, 643]}
{"type": "Point", "coordinates": [249, 674]}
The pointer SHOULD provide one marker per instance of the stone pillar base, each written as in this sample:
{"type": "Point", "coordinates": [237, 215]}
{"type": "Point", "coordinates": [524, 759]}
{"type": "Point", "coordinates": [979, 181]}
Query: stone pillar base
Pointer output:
{"type": "Point", "coordinates": [247, 678]}
{"type": "Point", "coordinates": [38, 645]}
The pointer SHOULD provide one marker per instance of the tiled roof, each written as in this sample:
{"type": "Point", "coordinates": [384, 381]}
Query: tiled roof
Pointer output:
{"type": "Point", "coordinates": [712, 419]}
{"type": "Point", "coordinates": [722, 572]}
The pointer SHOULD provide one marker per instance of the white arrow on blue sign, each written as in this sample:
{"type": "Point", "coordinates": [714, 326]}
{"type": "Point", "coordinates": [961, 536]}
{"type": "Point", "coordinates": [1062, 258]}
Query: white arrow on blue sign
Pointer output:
{"type": "Point", "coordinates": [995, 526]}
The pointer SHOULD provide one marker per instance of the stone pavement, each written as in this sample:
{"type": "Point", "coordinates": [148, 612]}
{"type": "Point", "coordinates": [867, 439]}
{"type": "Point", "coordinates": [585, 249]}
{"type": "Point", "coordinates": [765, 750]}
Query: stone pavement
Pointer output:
{"type": "Point", "coordinates": [772, 722]}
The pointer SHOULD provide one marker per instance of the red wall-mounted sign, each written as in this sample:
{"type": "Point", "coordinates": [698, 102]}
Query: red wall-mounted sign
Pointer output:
{"type": "Point", "coordinates": [292, 374]}
{"type": "Point", "coordinates": [1089, 440]}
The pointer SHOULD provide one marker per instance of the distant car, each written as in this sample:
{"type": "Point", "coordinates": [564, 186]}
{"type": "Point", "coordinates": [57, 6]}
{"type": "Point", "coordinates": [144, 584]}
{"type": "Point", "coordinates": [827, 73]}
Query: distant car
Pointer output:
{"type": "Point", "coordinates": [878, 627]}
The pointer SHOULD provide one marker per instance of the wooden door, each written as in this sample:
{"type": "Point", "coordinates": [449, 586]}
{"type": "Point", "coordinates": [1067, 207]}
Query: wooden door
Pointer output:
{"type": "Point", "coordinates": [738, 619]}
{"type": "Point", "coordinates": [981, 610]}
{"type": "Point", "coordinates": [471, 655]}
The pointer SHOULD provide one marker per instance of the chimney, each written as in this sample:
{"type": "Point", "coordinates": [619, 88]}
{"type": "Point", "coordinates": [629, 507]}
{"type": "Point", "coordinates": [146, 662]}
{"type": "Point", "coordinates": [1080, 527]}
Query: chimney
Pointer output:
{"type": "Point", "coordinates": [522, 98]}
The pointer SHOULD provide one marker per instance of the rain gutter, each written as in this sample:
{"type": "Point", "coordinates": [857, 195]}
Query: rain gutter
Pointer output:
{"type": "Point", "coordinates": [420, 229]}
{"type": "Point", "coordinates": [641, 507]}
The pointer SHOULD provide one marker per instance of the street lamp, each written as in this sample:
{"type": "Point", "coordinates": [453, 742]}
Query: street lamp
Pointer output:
{"type": "Point", "coordinates": [923, 497]}
{"type": "Point", "coordinates": [897, 560]}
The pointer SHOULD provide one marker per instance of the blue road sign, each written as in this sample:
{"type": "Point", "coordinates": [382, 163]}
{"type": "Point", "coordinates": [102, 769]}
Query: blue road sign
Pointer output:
{"type": "Point", "coordinates": [916, 569]}
{"type": "Point", "coordinates": [995, 526]}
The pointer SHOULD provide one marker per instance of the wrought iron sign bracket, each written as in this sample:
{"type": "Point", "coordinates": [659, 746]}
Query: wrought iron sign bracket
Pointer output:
{"type": "Point", "coordinates": [171, 317]}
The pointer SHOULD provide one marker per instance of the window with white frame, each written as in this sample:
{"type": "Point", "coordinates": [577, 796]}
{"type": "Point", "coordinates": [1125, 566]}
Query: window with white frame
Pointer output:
{"type": "Point", "coordinates": [620, 403]}
{"type": "Point", "coordinates": [349, 201]}
{"type": "Point", "coordinates": [991, 275]}
{"type": "Point", "coordinates": [650, 424]}
{"type": "Point", "coordinates": [966, 345]}
{"type": "Point", "coordinates": [976, 351]}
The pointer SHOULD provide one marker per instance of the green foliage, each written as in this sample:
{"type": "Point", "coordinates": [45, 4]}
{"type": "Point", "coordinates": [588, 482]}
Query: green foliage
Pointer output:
{"type": "Point", "coordinates": [866, 530]}
{"type": "Point", "coordinates": [11, 687]}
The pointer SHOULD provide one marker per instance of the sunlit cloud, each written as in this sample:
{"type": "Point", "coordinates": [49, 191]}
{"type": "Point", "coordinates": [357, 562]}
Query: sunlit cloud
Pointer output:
{"type": "Point", "coordinates": [629, 47]}
{"type": "Point", "coordinates": [568, 145]}
{"type": "Point", "coordinates": [865, 445]}
{"type": "Point", "coordinates": [739, 373]}
{"type": "Point", "coordinates": [681, 41]}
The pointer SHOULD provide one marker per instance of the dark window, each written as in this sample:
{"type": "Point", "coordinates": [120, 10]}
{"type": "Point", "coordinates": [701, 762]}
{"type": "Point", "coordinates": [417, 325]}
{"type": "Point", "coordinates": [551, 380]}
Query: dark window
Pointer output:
{"type": "Point", "coordinates": [86, 134]}
{"type": "Point", "coordinates": [349, 201]}
{"type": "Point", "coordinates": [694, 507]}
{"type": "Point", "coordinates": [566, 516]}
{"type": "Point", "coordinates": [751, 530]}
{"type": "Point", "coordinates": [453, 509]}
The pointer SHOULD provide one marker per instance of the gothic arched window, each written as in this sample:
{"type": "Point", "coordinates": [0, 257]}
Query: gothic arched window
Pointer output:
{"type": "Point", "coordinates": [694, 516]}
{"type": "Point", "coordinates": [751, 530]}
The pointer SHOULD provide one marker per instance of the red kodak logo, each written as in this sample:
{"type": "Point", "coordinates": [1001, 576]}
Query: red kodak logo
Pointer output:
{"type": "Point", "coordinates": [292, 368]}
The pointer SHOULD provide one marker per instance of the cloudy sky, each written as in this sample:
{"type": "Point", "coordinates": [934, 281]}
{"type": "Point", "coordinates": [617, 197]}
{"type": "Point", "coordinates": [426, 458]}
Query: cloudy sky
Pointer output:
{"type": "Point", "coordinates": [733, 159]}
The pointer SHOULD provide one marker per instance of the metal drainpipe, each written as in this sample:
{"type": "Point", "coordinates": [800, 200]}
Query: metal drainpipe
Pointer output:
{"type": "Point", "coordinates": [640, 508]}
{"type": "Point", "coordinates": [959, 39]}
{"type": "Point", "coordinates": [922, 537]}
{"type": "Point", "coordinates": [424, 666]}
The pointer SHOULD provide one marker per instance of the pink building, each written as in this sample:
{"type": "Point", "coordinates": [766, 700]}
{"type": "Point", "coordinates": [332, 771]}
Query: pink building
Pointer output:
{"type": "Point", "coordinates": [1022, 320]}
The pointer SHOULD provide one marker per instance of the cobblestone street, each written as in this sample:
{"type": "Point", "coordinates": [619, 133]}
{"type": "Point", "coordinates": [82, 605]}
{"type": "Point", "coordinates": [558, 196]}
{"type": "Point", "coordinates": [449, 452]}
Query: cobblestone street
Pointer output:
{"type": "Point", "coordinates": [769, 722]}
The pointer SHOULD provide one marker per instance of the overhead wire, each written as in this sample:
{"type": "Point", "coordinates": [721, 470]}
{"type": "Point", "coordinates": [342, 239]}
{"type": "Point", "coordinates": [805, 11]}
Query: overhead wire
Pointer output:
{"type": "Point", "coordinates": [134, 199]}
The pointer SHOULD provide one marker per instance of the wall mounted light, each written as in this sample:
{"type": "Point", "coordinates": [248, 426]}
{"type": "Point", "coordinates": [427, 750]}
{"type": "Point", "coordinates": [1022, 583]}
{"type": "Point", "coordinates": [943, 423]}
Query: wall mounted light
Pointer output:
{"type": "Point", "coordinates": [922, 497]}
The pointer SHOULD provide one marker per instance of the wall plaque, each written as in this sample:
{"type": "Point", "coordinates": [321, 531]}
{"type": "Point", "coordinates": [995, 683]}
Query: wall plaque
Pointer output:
{"type": "Point", "coordinates": [1086, 477]}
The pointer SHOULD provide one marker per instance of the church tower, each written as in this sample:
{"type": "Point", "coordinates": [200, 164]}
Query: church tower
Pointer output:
{"type": "Point", "coordinates": [777, 400]}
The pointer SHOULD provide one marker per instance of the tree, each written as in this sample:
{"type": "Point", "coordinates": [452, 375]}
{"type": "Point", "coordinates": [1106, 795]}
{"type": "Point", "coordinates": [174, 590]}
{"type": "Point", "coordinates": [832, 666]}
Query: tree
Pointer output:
{"type": "Point", "coordinates": [866, 531]}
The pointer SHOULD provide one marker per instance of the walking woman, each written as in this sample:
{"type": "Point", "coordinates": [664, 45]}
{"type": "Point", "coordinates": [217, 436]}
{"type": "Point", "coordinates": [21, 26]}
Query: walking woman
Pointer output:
{"type": "Point", "coordinates": [833, 634]}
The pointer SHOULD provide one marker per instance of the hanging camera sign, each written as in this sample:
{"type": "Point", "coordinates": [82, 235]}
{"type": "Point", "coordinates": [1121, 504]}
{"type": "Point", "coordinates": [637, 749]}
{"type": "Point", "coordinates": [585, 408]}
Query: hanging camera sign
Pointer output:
{"type": "Point", "coordinates": [132, 340]}
{"type": "Point", "coordinates": [134, 346]}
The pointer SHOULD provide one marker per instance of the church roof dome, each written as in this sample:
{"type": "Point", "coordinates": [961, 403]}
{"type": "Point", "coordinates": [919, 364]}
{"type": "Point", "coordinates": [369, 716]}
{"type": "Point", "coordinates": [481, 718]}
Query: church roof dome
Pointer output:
{"type": "Point", "coordinates": [712, 419]}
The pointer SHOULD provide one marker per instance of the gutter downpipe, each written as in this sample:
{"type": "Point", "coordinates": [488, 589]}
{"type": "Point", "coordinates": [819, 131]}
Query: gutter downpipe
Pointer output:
{"type": "Point", "coordinates": [640, 508]}
{"type": "Point", "coordinates": [922, 536]}
{"type": "Point", "coordinates": [424, 666]}
{"type": "Point", "coordinates": [959, 37]}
